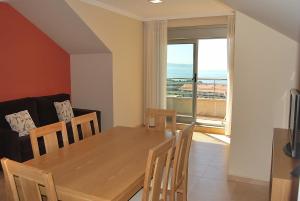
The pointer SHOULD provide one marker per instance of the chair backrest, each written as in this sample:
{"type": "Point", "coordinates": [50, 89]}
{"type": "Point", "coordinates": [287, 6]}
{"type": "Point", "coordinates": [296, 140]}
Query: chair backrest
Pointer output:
{"type": "Point", "coordinates": [181, 157]}
{"type": "Point", "coordinates": [85, 123]}
{"type": "Point", "coordinates": [157, 119]}
{"type": "Point", "coordinates": [157, 171]}
{"type": "Point", "coordinates": [49, 134]}
{"type": "Point", "coordinates": [24, 183]}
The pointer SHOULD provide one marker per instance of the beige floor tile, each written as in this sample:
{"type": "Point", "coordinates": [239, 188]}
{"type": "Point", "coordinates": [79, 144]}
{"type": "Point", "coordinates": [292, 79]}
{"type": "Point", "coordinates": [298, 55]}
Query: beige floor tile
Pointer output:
{"type": "Point", "coordinates": [210, 190]}
{"type": "Point", "coordinates": [214, 172]}
{"type": "Point", "coordinates": [197, 170]}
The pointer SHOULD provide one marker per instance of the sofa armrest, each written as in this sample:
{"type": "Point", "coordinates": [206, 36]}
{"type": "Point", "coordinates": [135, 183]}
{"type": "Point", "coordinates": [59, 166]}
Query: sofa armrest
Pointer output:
{"type": "Point", "coordinates": [79, 112]}
{"type": "Point", "coordinates": [10, 144]}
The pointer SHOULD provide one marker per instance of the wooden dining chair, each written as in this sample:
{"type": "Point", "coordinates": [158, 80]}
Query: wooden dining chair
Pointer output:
{"type": "Point", "coordinates": [157, 119]}
{"type": "Point", "coordinates": [179, 176]}
{"type": "Point", "coordinates": [23, 183]}
{"type": "Point", "coordinates": [84, 122]}
{"type": "Point", "coordinates": [157, 173]}
{"type": "Point", "coordinates": [49, 134]}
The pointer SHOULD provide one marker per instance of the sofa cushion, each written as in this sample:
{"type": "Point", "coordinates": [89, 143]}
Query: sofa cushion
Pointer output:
{"type": "Point", "coordinates": [21, 122]}
{"type": "Point", "coordinates": [46, 109]}
{"type": "Point", "coordinates": [64, 111]}
{"type": "Point", "coordinates": [14, 106]}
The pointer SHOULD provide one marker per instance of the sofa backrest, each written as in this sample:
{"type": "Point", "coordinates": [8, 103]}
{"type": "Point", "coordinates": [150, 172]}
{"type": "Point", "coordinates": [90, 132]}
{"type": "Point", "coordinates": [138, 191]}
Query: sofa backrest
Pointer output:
{"type": "Point", "coordinates": [13, 106]}
{"type": "Point", "coordinates": [41, 109]}
{"type": "Point", "coordinates": [46, 110]}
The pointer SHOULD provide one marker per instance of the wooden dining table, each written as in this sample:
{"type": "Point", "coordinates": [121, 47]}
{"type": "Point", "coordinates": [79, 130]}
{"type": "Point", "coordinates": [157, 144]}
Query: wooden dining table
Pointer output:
{"type": "Point", "coordinates": [108, 166]}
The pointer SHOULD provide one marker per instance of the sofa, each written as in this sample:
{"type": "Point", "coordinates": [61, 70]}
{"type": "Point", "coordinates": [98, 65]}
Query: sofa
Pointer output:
{"type": "Point", "coordinates": [42, 111]}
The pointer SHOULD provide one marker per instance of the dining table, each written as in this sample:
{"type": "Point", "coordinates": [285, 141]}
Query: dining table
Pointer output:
{"type": "Point", "coordinates": [108, 166]}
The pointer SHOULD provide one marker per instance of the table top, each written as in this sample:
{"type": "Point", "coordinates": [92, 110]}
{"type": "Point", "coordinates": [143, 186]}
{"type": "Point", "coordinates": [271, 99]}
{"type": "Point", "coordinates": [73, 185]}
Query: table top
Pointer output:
{"type": "Point", "coordinates": [107, 166]}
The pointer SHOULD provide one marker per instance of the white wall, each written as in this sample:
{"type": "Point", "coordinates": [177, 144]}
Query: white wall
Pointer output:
{"type": "Point", "coordinates": [124, 37]}
{"type": "Point", "coordinates": [266, 67]}
{"type": "Point", "coordinates": [91, 81]}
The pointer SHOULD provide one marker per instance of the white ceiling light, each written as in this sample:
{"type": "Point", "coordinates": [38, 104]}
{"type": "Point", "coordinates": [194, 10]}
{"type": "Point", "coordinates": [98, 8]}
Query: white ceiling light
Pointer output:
{"type": "Point", "coordinates": [155, 1]}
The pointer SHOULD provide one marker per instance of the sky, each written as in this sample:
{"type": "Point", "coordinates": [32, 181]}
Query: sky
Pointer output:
{"type": "Point", "coordinates": [212, 54]}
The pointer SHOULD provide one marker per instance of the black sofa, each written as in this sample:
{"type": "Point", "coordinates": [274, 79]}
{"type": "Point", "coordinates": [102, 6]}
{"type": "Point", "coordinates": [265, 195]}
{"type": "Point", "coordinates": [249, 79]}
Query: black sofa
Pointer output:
{"type": "Point", "coordinates": [42, 111]}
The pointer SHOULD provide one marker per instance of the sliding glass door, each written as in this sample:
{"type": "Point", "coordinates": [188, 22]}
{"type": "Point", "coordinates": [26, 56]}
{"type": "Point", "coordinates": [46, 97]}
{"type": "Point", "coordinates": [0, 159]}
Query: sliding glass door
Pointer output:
{"type": "Point", "coordinates": [182, 79]}
{"type": "Point", "coordinates": [212, 82]}
{"type": "Point", "coordinates": [197, 80]}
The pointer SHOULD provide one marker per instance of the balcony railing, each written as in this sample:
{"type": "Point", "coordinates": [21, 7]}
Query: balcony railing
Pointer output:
{"type": "Point", "coordinates": [208, 88]}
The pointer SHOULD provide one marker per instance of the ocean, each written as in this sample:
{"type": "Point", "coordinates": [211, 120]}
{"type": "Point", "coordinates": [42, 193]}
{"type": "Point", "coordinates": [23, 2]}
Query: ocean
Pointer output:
{"type": "Point", "coordinates": [186, 71]}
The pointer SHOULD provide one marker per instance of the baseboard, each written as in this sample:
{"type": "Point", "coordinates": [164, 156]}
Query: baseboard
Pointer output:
{"type": "Point", "coordinates": [247, 180]}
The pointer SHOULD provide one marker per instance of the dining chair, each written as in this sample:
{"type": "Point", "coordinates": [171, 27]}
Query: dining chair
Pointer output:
{"type": "Point", "coordinates": [157, 119]}
{"type": "Point", "coordinates": [50, 137]}
{"type": "Point", "coordinates": [84, 121]}
{"type": "Point", "coordinates": [157, 173]}
{"type": "Point", "coordinates": [23, 183]}
{"type": "Point", "coordinates": [179, 175]}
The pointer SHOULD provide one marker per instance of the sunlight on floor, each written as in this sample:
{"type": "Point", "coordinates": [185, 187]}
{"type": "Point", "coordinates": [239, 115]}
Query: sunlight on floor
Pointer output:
{"type": "Point", "coordinates": [210, 138]}
{"type": "Point", "coordinates": [223, 138]}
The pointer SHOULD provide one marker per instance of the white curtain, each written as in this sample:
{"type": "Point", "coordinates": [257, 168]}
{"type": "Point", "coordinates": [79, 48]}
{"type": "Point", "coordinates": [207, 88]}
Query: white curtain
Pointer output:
{"type": "Point", "coordinates": [230, 49]}
{"type": "Point", "coordinates": [155, 63]}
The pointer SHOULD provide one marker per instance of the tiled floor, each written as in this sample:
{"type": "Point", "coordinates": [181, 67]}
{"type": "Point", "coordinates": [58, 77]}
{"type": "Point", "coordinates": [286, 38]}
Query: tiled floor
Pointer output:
{"type": "Point", "coordinates": [207, 175]}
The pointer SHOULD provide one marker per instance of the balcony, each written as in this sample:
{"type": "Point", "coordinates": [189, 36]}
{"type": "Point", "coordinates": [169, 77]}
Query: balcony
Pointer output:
{"type": "Point", "coordinates": [211, 99]}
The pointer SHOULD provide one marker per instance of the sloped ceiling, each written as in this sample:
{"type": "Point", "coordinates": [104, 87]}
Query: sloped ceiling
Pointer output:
{"type": "Point", "coordinates": [61, 24]}
{"type": "Point", "coordinates": [283, 16]}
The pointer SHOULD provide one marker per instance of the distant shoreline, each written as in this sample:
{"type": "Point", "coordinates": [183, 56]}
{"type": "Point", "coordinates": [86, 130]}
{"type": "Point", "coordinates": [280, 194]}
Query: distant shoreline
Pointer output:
{"type": "Point", "coordinates": [186, 71]}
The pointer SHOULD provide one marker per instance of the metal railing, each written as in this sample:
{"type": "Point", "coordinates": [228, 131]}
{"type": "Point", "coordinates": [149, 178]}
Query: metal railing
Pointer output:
{"type": "Point", "coordinates": [210, 88]}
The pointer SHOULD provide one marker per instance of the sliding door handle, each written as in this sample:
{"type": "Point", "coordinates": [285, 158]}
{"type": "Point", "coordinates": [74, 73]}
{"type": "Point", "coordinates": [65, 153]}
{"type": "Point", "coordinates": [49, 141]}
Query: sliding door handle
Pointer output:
{"type": "Point", "coordinates": [194, 77]}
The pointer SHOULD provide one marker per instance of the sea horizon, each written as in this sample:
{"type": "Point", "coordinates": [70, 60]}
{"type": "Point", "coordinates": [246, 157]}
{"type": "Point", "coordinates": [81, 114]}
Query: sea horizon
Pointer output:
{"type": "Point", "coordinates": [186, 71]}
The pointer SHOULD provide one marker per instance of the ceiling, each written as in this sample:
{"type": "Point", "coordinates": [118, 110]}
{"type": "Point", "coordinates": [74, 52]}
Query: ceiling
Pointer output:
{"type": "Point", "coordinates": [169, 9]}
{"type": "Point", "coordinates": [52, 16]}
{"type": "Point", "coordinates": [61, 24]}
{"type": "Point", "coordinates": [283, 16]}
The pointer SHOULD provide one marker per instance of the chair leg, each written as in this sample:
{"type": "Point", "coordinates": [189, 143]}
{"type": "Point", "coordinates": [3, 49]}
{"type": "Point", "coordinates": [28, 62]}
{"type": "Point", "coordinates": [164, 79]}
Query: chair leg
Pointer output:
{"type": "Point", "coordinates": [185, 185]}
{"type": "Point", "coordinates": [181, 193]}
{"type": "Point", "coordinates": [172, 195]}
{"type": "Point", "coordinates": [184, 194]}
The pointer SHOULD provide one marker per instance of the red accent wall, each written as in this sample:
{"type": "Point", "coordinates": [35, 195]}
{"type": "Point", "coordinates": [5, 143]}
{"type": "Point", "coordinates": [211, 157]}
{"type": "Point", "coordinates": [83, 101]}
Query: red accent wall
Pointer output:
{"type": "Point", "coordinates": [31, 64]}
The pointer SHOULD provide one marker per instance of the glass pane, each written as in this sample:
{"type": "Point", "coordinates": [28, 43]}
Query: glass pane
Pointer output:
{"type": "Point", "coordinates": [212, 81]}
{"type": "Point", "coordinates": [179, 78]}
